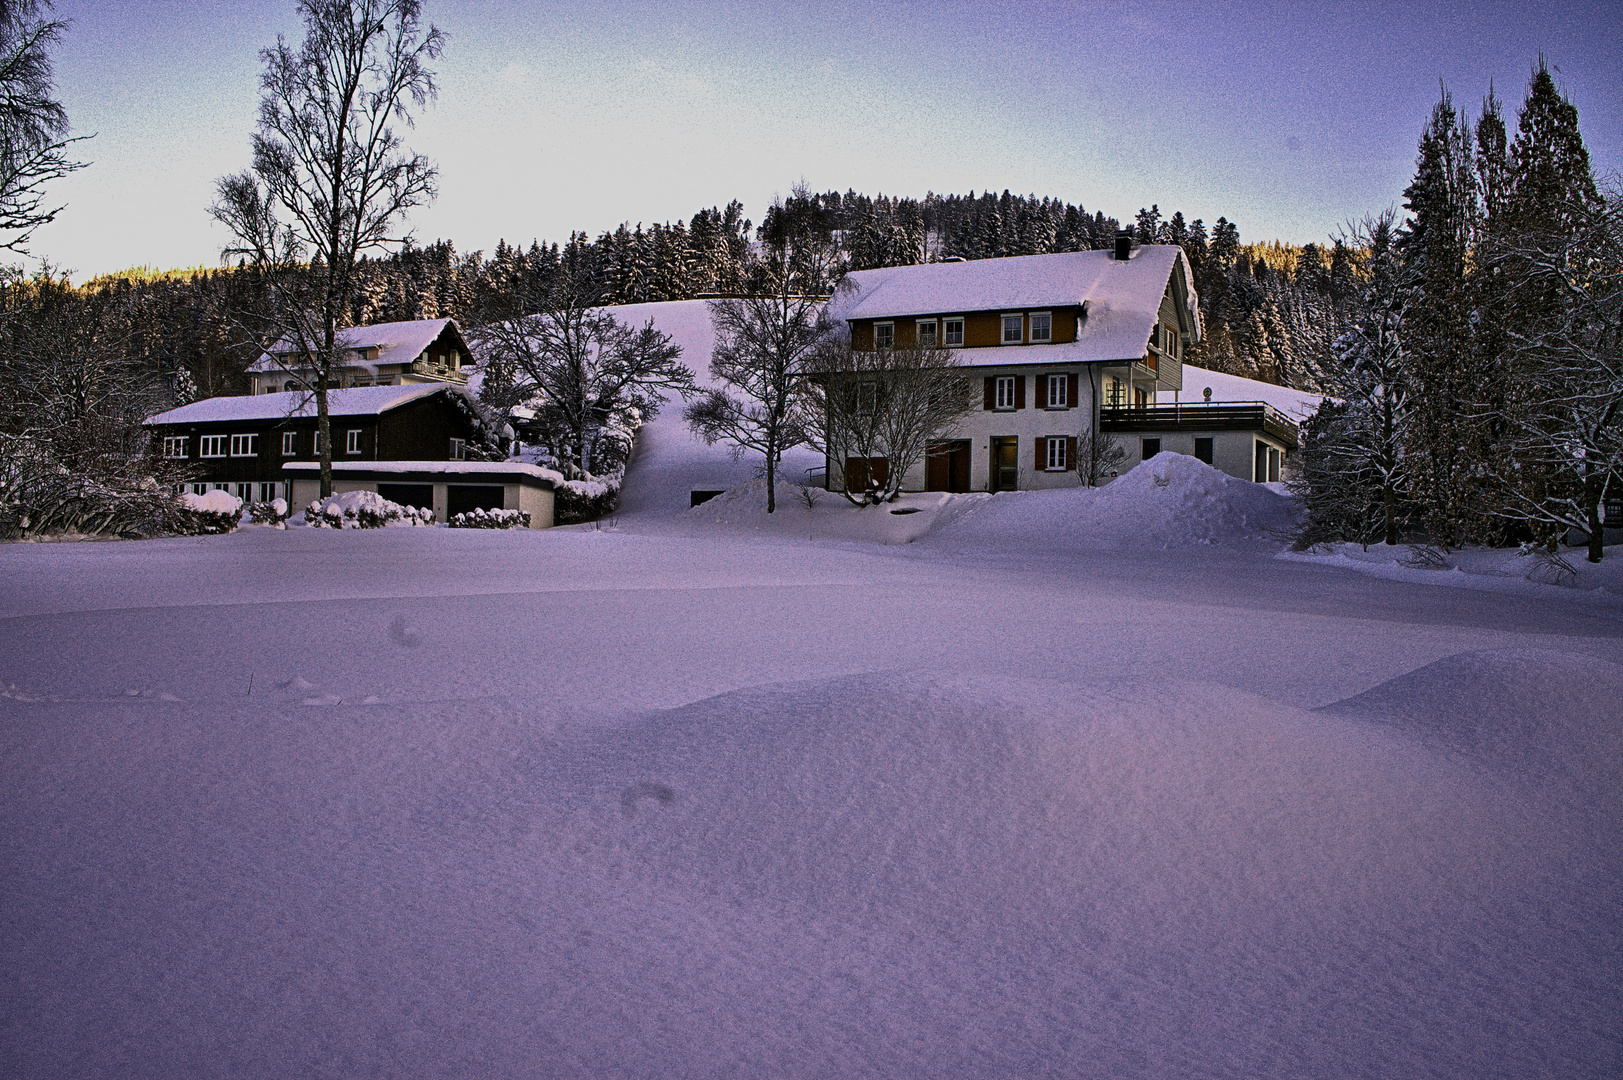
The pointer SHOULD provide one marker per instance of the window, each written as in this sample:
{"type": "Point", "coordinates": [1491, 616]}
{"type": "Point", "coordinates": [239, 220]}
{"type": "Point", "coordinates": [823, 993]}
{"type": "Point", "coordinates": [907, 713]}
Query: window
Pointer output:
{"type": "Point", "coordinates": [290, 443]}
{"type": "Point", "coordinates": [459, 450]}
{"type": "Point", "coordinates": [865, 398]}
{"type": "Point", "coordinates": [1115, 393]}
{"type": "Point", "coordinates": [1203, 450]}
{"type": "Point", "coordinates": [1005, 392]}
{"type": "Point", "coordinates": [1041, 327]}
{"type": "Point", "coordinates": [245, 492]}
{"type": "Point", "coordinates": [884, 335]}
{"type": "Point", "coordinates": [244, 445]}
{"type": "Point", "coordinates": [267, 492]}
{"type": "Point", "coordinates": [1169, 340]}
{"type": "Point", "coordinates": [1013, 329]}
{"type": "Point", "coordinates": [1056, 458]}
{"type": "Point", "coordinates": [315, 447]}
{"type": "Point", "coordinates": [953, 331]}
{"type": "Point", "coordinates": [353, 446]}
{"type": "Point", "coordinates": [1058, 385]}
{"type": "Point", "coordinates": [200, 489]}
{"type": "Point", "coordinates": [926, 333]}
{"type": "Point", "coordinates": [1141, 398]}
{"type": "Point", "coordinates": [174, 446]}
{"type": "Point", "coordinates": [1151, 448]}
{"type": "Point", "coordinates": [214, 445]}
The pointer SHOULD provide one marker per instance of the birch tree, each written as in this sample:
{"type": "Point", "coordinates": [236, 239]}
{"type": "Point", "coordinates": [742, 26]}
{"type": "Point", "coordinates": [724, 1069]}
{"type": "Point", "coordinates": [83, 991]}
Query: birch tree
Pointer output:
{"type": "Point", "coordinates": [330, 179]}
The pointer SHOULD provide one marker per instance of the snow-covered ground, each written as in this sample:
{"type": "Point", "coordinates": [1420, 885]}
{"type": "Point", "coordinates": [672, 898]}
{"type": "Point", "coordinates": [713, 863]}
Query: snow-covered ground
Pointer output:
{"type": "Point", "coordinates": [1036, 784]}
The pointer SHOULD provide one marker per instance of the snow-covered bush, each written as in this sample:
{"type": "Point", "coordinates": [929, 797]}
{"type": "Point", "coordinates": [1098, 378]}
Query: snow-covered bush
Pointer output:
{"type": "Point", "coordinates": [363, 510]}
{"type": "Point", "coordinates": [575, 501]}
{"type": "Point", "coordinates": [276, 512]}
{"type": "Point", "coordinates": [217, 511]}
{"type": "Point", "coordinates": [492, 519]}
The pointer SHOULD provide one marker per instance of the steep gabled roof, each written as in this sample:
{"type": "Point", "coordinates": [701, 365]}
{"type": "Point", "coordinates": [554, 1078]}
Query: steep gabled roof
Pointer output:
{"type": "Point", "coordinates": [1122, 297]}
{"type": "Point", "coordinates": [396, 342]}
{"type": "Point", "coordinates": [354, 401]}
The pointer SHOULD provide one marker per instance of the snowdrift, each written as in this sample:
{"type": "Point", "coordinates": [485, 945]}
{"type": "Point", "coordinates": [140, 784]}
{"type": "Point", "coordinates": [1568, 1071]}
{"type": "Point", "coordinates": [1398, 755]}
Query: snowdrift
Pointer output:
{"type": "Point", "coordinates": [864, 876]}
{"type": "Point", "coordinates": [1170, 501]}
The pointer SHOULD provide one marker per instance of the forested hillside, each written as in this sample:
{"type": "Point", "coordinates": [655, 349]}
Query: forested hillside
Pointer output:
{"type": "Point", "coordinates": [1271, 311]}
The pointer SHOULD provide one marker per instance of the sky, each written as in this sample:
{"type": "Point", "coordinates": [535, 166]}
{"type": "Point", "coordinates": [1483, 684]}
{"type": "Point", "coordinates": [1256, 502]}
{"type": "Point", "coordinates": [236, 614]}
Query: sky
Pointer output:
{"type": "Point", "coordinates": [553, 117]}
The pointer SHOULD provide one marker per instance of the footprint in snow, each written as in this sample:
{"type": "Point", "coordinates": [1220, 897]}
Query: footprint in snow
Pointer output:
{"type": "Point", "coordinates": [631, 796]}
{"type": "Point", "coordinates": [323, 699]}
{"type": "Point", "coordinates": [402, 634]}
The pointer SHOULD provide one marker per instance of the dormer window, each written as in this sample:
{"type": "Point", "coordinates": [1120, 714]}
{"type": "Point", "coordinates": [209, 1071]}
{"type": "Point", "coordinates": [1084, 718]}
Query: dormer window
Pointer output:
{"type": "Point", "coordinates": [1013, 329]}
{"type": "Point", "coordinates": [952, 333]}
{"type": "Point", "coordinates": [1041, 326]}
{"type": "Point", "coordinates": [926, 333]}
{"type": "Point", "coordinates": [884, 336]}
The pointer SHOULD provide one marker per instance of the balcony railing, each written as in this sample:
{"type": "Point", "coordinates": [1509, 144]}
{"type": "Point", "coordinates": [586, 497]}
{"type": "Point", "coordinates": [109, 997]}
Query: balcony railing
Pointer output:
{"type": "Point", "coordinates": [1227, 416]}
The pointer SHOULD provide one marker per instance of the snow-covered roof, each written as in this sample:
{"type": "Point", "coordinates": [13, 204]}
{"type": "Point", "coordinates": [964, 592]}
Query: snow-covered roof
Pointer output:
{"type": "Point", "coordinates": [1296, 404]}
{"type": "Point", "coordinates": [1122, 297]}
{"type": "Point", "coordinates": [352, 401]}
{"type": "Point", "coordinates": [459, 468]}
{"type": "Point", "coordinates": [396, 342]}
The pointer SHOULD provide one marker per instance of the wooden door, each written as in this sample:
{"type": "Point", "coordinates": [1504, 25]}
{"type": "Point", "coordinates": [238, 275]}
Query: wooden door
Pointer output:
{"type": "Point", "coordinates": [1005, 465]}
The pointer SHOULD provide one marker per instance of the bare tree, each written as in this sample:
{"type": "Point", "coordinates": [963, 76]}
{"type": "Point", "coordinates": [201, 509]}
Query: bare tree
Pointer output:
{"type": "Point", "coordinates": [73, 454]}
{"type": "Point", "coordinates": [888, 404]}
{"type": "Point", "coordinates": [1099, 456]}
{"type": "Point", "coordinates": [330, 179]}
{"type": "Point", "coordinates": [590, 378]}
{"type": "Point", "coordinates": [33, 125]}
{"type": "Point", "coordinates": [763, 342]}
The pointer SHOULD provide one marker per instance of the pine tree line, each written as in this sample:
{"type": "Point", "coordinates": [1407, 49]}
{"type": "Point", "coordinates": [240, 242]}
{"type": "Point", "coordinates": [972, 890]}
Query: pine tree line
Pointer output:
{"type": "Point", "coordinates": [1481, 385]}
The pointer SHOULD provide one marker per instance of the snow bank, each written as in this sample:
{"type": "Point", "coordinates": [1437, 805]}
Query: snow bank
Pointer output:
{"type": "Point", "coordinates": [1499, 570]}
{"type": "Point", "coordinates": [1170, 501]}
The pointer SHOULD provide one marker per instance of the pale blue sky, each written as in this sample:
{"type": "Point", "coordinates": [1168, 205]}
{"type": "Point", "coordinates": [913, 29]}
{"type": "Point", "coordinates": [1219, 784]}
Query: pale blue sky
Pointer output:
{"type": "Point", "coordinates": [560, 116]}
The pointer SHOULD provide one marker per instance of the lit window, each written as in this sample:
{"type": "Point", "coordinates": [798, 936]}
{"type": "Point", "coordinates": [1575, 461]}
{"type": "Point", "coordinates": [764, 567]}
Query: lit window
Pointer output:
{"type": "Point", "coordinates": [1056, 457]}
{"type": "Point", "coordinates": [953, 332]}
{"type": "Point", "coordinates": [1013, 329]}
{"type": "Point", "coordinates": [1058, 396]}
{"type": "Point", "coordinates": [174, 446]}
{"type": "Point", "coordinates": [884, 335]}
{"type": "Point", "coordinates": [290, 443]}
{"type": "Point", "coordinates": [926, 333]}
{"type": "Point", "coordinates": [214, 445]}
{"type": "Point", "coordinates": [353, 446]}
{"type": "Point", "coordinates": [244, 445]}
{"type": "Point", "coordinates": [1041, 325]}
{"type": "Point", "coordinates": [459, 450]}
{"type": "Point", "coordinates": [1005, 392]}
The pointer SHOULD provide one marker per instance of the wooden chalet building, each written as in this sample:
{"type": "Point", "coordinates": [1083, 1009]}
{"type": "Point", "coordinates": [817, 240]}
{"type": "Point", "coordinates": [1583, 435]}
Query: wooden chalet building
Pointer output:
{"type": "Point", "coordinates": [409, 443]}
{"type": "Point", "coordinates": [1061, 344]}
{"type": "Point", "coordinates": [423, 351]}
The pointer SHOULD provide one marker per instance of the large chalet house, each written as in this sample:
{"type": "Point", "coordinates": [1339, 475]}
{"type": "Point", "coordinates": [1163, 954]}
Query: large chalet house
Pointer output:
{"type": "Point", "coordinates": [413, 443]}
{"type": "Point", "coordinates": [1061, 344]}
{"type": "Point", "coordinates": [423, 351]}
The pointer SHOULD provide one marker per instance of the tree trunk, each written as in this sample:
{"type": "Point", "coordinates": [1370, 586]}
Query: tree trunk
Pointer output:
{"type": "Point", "coordinates": [1597, 531]}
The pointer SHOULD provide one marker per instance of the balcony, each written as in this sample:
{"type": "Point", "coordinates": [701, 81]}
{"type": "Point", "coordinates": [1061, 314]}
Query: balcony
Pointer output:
{"type": "Point", "coordinates": [1228, 416]}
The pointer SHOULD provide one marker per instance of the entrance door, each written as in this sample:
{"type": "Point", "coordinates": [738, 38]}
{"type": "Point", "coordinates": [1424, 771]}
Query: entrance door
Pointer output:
{"type": "Point", "coordinates": [946, 468]}
{"type": "Point", "coordinates": [1005, 467]}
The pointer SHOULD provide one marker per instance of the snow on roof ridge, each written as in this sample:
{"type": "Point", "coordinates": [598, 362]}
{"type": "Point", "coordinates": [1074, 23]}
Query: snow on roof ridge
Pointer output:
{"type": "Point", "coordinates": [348, 401]}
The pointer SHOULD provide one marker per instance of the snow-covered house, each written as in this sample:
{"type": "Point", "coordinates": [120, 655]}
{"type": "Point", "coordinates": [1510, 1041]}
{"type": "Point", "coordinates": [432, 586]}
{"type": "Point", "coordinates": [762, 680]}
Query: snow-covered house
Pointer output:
{"type": "Point", "coordinates": [415, 445]}
{"type": "Point", "coordinates": [1059, 343]}
{"type": "Point", "coordinates": [384, 354]}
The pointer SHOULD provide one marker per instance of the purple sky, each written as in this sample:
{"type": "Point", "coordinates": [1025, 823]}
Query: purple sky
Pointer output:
{"type": "Point", "coordinates": [561, 116]}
